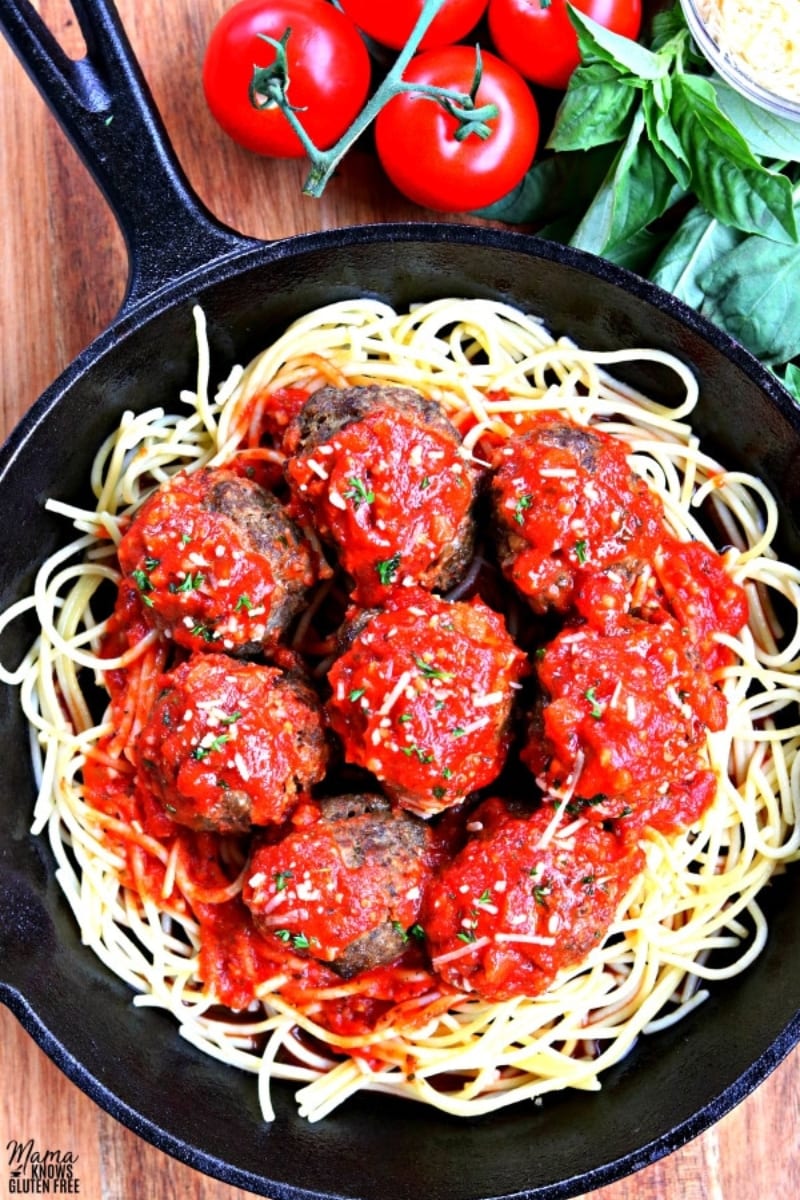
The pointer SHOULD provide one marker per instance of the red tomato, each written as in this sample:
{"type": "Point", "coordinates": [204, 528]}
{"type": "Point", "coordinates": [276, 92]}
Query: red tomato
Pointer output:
{"type": "Point", "coordinates": [416, 142]}
{"type": "Point", "coordinates": [328, 69]}
{"type": "Point", "coordinates": [538, 38]}
{"type": "Point", "coordinates": [391, 23]}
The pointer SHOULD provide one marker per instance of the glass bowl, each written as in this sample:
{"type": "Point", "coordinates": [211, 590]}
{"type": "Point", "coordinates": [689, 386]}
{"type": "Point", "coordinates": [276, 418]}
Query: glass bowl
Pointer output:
{"type": "Point", "coordinates": [734, 71]}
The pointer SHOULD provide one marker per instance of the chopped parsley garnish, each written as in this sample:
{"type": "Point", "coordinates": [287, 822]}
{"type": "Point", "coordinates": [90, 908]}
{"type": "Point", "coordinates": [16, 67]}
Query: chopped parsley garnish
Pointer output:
{"type": "Point", "coordinates": [576, 806]}
{"type": "Point", "coordinates": [356, 694]}
{"type": "Point", "coordinates": [425, 483]}
{"type": "Point", "coordinates": [485, 897]}
{"type": "Point", "coordinates": [281, 879]}
{"type": "Point", "coordinates": [404, 718]}
{"type": "Point", "coordinates": [447, 773]}
{"type": "Point", "coordinates": [204, 632]}
{"type": "Point", "coordinates": [415, 931]}
{"type": "Point", "coordinates": [540, 894]}
{"type": "Point", "coordinates": [142, 581]}
{"type": "Point", "coordinates": [150, 564]}
{"type": "Point", "coordinates": [201, 752]}
{"type": "Point", "coordinates": [185, 539]}
{"type": "Point", "coordinates": [387, 568]}
{"type": "Point", "coordinates": [595, 711]}
{"type": "Point", "coordinates": [298, 940]}
{"type": "Point", "coordinates": [580, 550]}
{"type": "Point", "coordinates": [232, 719]}
{"type": "Point", "coordinates": [519, 508]}
{"type": "Point", "coordinates": [440, 792]}
{"type": "Point", "coordinates": [189, 584]}
{"type": "Point", "coordinates": [458, 731]}
{"type": "Point", "coordinates": [432, 672]}
{"type": "Point", "coordinates": [244, 602]}
{"type": "Point", "coordinates": [466, 935]}
{"type": "Point", "coordinates": [422, 755]}
{"type": "Point", "coordinates": [358, 492]}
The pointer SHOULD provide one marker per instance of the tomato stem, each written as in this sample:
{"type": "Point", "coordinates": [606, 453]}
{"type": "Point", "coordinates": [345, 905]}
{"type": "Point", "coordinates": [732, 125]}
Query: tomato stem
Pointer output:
{"type": "Point", "coordinates": [269, 86]}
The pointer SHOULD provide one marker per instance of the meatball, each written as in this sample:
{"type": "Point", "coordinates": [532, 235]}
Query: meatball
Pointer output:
{"type": "Point", "coordinates": [423, 696]}
{"type": "Point", "coordinates": [217, 562]}
{"type": "Point", "coordinates": [346, 889]}
{"type": "Point", "coordinates": [623, 721]}
{"type": "Point", "coordinates": [381, 475]}
{"type": "Point", "coordinates": [526, 897]}
{"type": "Point", "coordinates": [229, 744]}
{"type": "Point", "coordinates": [564, 500]}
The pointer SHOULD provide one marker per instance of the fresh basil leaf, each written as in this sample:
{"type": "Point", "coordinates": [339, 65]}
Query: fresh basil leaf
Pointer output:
{"type": "Point", "coordinates": [664, 138]}
{"type": "Point", "coordinates": [555, 186]}
{"type": "Point", "coordinates": [668, 24]}
{"type": "Point", "coordinates": [695, 111]}
{"type": "Point", "coordinates": [596, 42]}
{"type": "Point", "coordinates": [767, 135]}
{"type": "Point", "coordinates": [726, 176]}
{"type": "Point", "coordinates": [791, 380]}
{"type": "Point", "coordinates": [753, 292]}
{"type": "Point", "coordinates": [594, 110]}
{"type": "Point", "coordinates": [698, 242]}
{"type": "Point", "coordinates": [637, 189]}
{"type": "Point", "coordinates": [637, 251]}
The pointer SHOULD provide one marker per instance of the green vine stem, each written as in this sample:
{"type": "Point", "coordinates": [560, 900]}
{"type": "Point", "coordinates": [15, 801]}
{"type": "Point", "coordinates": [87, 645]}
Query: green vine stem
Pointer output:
{"type": "Point", "coordinates": [268, 87]}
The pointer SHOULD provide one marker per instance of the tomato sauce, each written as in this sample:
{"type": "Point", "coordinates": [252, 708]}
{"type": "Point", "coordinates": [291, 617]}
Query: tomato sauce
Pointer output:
{"type": "Point", "coordinates": [422, 699]}
{"type": "Point", "coordinates": [517, 905]}
{"type": "Point", "coordinates": [390, 493]}
{"type": "Point", "coordinates": [568, 503]}
{"type": "Point", "coordinates": [626, 714]}
{"type": "Point", "coordinates": [229, 744]}
{"type": "Point", "coordinates": [197, 574]}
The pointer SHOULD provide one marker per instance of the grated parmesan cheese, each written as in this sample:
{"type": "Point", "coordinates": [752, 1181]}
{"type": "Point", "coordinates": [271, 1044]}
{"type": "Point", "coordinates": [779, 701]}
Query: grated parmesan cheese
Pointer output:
{"type": "Point", "coordinates": [761, 38]}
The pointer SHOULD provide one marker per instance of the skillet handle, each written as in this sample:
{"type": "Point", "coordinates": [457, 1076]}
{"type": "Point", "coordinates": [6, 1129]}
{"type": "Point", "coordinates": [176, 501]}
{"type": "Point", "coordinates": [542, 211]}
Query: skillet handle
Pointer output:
{"type": "Point", "coordinates": [105, 107]}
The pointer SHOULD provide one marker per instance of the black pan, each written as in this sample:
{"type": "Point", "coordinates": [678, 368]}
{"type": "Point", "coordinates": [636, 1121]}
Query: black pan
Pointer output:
{"type": "Point", "coordinates": [132, 1062]}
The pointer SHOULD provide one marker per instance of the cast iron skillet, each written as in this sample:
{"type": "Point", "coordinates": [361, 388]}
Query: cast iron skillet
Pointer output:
{"type": "Point", "coordinates": [132, 1062]}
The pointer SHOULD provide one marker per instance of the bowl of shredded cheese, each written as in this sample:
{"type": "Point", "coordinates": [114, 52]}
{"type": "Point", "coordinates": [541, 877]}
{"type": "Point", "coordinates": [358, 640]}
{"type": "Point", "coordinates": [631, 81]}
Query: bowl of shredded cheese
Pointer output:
{"type": "Point", "coordinates": [754, 45]}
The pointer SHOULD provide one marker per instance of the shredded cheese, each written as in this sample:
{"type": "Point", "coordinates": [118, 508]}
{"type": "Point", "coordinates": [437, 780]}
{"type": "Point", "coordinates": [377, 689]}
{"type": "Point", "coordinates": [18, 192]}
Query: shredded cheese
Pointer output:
{"type": "Point", "coordinates": [761, 38]}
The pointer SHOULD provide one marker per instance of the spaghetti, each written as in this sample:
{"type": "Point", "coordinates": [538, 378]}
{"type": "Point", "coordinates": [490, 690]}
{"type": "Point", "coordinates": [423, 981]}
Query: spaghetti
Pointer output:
{"type": "Point", "coordinates": [689, 916]}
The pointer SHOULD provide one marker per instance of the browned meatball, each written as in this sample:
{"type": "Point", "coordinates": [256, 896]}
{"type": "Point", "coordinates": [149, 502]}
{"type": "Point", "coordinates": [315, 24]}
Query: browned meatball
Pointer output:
{"type": "Point", "coordinates": [381, 474]}
{"type": "Point", "coordinates": [422, 697]}
{"type": "Point", "coordinates": [231, 744]}
{"type": "Point", "coordinates": [564, 499]}
{"type": "Point", "coordinates": [346, 889]}
{"type": "Point", "coordinates": [217, 562]}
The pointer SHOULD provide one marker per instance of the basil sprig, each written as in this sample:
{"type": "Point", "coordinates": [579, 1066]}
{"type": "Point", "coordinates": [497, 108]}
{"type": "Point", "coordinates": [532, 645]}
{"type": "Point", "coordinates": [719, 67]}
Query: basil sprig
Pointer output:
{"type": "Point", "coordinates": [658, 165]}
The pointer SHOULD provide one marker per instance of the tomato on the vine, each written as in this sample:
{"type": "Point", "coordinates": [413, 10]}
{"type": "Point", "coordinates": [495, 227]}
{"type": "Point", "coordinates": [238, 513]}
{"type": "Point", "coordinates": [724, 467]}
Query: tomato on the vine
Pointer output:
{"type": "Point", "coordinates": [391, 23]}
{"type": "Point", "coordinates": [416, 137]}
{"type": "Point", "coordinates": [538, 38]}
{"type": "Point", "coordinates": [328, 73]}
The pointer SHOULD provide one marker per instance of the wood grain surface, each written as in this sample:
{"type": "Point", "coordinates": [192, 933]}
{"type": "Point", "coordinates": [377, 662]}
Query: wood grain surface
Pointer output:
{"type": "Point", "coordinates": [62, 270]}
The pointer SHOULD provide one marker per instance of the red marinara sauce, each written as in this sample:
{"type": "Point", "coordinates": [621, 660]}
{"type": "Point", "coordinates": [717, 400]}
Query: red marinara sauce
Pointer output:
{"type": "Point", "coordinates": [567, 502]}
{"type": "Point", "coordinates": [519, 902]}
{"type": "Point", "coordinates": [215, 562]}
{"type": "Point", "coordinates": [345, 889]}
{"type": "Point", "coordinates": [391, 492]}
{"type": "Point", "coordinates": [624, 721]}
{"type": "Point", "coordinates": [423, 696]}
{"type": "Point", "coordinates": [229, 744]}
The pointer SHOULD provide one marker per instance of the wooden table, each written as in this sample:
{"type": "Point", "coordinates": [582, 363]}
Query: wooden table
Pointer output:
{"type": "Point", "coordinates": [62, 269]}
